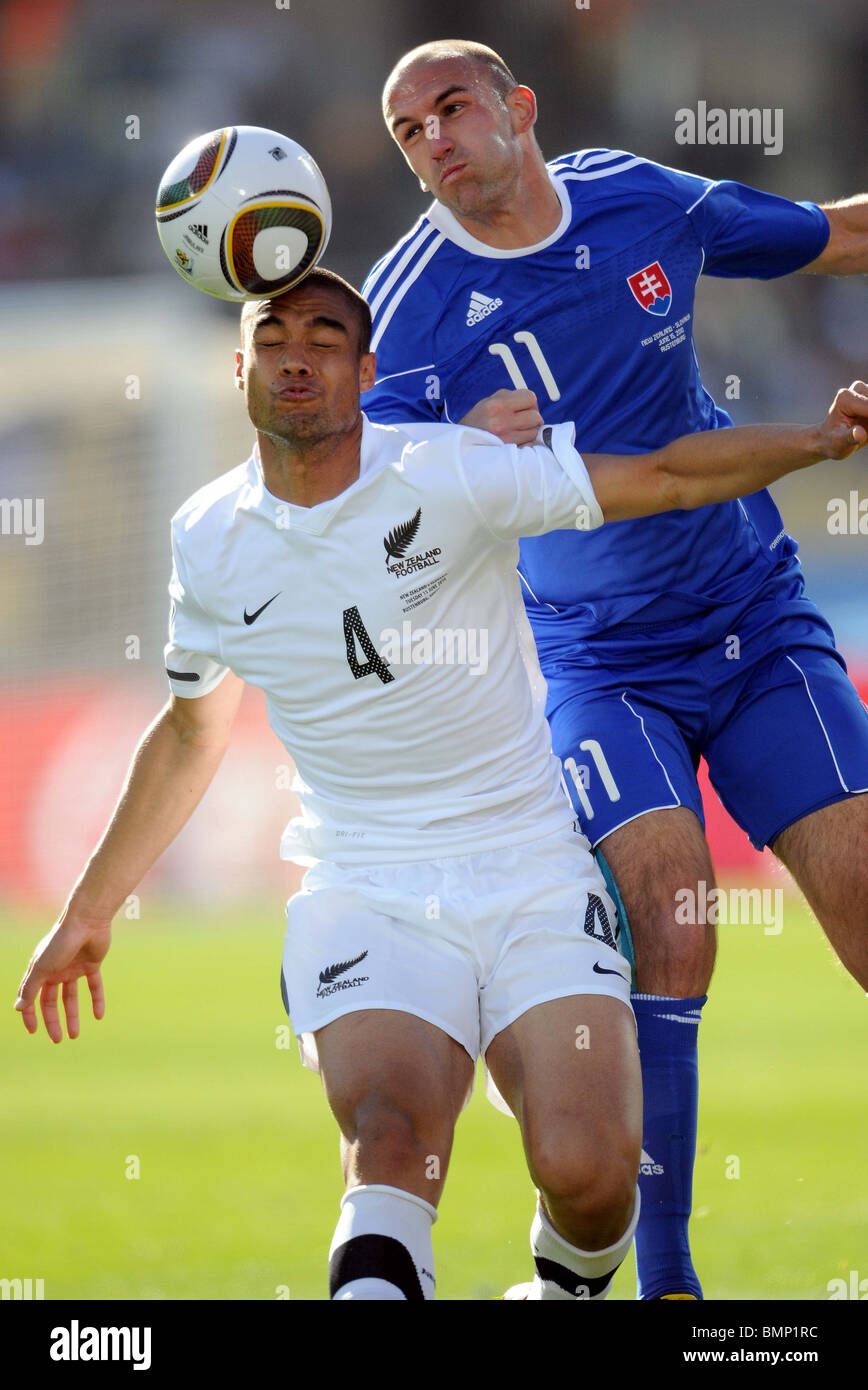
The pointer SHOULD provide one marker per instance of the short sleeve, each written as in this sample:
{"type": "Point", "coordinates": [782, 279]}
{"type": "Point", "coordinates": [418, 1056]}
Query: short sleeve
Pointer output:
{"type": "Point", "coordinates": [745, 232]}
{"type": "Point", "coordinates": [193, 647]}
{"type": "Point", "coordinates": [403, 395]}
{"type": "Point", "coordinates": [529, 490]}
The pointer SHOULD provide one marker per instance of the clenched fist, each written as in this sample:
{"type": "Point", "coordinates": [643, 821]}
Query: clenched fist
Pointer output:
{"type": "Point", "coordinates": [512, 415]}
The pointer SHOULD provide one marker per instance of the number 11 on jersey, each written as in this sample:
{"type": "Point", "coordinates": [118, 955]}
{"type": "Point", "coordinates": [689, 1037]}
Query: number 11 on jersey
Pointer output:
{"type": "Point", "coordinates": [507, 356]}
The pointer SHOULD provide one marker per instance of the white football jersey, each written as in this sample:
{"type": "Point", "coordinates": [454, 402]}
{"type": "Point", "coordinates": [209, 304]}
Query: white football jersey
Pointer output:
{"type": "Point", "coordinates": [387, 629]}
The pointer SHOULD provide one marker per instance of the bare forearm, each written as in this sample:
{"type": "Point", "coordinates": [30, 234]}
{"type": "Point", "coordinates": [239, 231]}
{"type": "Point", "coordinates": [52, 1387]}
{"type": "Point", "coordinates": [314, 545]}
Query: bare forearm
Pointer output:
{"type": "Point", "coordinates": [846, 252]}
{"type": "Point", "coordinates": [167, 778]}
{"type": "Point", "coordinates": [718, 465]}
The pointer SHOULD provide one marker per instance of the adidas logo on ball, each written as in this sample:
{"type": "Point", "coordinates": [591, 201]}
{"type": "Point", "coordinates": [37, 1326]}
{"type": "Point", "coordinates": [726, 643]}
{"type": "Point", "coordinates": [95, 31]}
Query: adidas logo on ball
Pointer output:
{"type": "Point", "coordinates": [480, 307]}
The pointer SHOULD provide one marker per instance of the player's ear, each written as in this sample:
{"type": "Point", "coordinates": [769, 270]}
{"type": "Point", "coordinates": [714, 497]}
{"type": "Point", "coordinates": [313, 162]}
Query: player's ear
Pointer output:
{"type": "Point", "coordinates": [239, 369]}
{"type": "Point", "coordinates": [367, 371]}
{"type": "Point", "coordinates": [522, 108]}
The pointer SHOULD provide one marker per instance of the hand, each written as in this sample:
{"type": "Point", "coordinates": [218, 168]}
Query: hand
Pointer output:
{"type": "Point", "coordinates": [845, 428]}
{"type": "Point", "coordinates": [71, 949]}
{"type": "Point", "coordinates": [512, 415]}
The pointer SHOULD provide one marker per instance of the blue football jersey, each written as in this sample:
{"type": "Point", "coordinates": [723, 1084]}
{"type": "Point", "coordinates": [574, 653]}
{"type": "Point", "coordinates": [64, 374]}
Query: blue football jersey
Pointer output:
{"type": "Point", "coordinates": [597, 320]}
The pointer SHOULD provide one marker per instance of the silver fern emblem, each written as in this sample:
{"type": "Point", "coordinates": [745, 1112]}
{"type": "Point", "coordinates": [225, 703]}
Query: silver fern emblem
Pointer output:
{"type": "Point", "coordinates": [400, 539]}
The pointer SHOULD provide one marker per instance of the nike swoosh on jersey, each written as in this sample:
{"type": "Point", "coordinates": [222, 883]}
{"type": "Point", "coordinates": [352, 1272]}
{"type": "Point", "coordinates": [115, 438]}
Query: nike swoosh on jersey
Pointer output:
{"type": "Point", "coordinates": [251, 617]}
{"type": "Point", "coordinates": [598, 970]}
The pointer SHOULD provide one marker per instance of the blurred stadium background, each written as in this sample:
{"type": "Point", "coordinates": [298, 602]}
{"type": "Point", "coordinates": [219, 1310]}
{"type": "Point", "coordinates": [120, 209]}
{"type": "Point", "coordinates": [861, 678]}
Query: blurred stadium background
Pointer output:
{"type": "Point", "coordinates": [116, 401]}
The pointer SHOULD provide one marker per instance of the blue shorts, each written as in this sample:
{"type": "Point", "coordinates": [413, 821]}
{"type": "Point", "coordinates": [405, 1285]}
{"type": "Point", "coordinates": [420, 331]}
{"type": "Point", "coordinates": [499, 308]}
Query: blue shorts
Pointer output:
{"type": "Point", "coordinates": [758, 689]}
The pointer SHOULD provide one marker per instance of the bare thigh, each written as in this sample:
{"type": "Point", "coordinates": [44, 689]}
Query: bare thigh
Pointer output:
{"type": "Point", "coordinates": [827, 854]}
{"type": "Point", "coordinates": [653, 858]}
{"type": "Point", "coordinates": [569, 1071]}
{"type": "Point", "coordinates": [396, 1085]}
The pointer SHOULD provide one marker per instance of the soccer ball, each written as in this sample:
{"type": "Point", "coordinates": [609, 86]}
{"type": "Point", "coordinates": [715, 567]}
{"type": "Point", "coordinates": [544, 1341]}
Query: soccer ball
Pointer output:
{"type": "Point", "coordinates": [243, 213]}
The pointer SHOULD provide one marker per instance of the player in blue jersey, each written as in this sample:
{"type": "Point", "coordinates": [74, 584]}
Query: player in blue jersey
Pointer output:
{"type": "Point", "coordinates": [564, 291]}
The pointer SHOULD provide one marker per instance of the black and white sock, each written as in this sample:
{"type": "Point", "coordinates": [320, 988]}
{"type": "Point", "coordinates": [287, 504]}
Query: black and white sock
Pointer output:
{"type": "Point", "coordinates": [565, 1272]}
{"type": "Point", "coordinates": [382, 1246]}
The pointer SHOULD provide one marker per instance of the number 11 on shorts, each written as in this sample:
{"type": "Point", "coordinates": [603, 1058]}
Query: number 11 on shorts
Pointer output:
{"type": "Point", "coordinates": [580, 777]}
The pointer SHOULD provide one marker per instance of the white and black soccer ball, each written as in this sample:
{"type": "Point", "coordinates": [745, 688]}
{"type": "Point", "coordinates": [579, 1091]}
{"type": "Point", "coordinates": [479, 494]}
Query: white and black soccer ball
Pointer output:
{"type": "Point", "coordinates": [243, 213]}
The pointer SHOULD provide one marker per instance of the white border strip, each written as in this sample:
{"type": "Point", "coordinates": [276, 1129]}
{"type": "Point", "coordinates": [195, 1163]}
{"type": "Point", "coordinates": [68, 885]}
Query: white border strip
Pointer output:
{"type": "Point", "coordinates": [399, 294]}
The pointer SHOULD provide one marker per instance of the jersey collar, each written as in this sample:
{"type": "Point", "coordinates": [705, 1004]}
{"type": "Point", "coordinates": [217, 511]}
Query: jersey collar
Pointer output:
{"type": "Point", "coordinates": [447, 223]}
{"type": "Point", "coordinates": [287, 515]}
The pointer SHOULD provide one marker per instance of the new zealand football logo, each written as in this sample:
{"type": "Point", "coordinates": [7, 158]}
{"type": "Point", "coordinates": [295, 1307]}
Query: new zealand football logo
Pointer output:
{"type": "Point", "coordinates": [329, 983]}
{"type": "Point", "coordinates": [399, 540]}
{"type": "Point", "coordinates": [651, 289]}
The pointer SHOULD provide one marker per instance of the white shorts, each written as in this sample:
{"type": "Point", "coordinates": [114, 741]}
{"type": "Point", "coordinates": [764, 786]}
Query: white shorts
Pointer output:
{"type": "Point", "coordinates": [469, 943]}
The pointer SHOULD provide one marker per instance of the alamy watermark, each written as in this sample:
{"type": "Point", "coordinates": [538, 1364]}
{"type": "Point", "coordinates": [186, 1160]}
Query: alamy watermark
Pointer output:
{"type": "Point", "coordinates": [737, 125]}
{"type": "Point", "coordinates": [22, 1290]}
{"type": "Point", "coordinates": [751, 907]}
{"type": "Point", "coordinates": [848, 516]}
{"type": "Point", "coordinates": [23, 516]}
{"type": "Point", "coordinates": [439, 646]}
{"type": "Point", "coordinates": [77, 1343]}
{"type": "Point", "coordinates": [851, 1288]}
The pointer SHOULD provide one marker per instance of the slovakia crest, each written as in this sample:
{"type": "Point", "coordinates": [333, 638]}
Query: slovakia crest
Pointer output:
{"type": "Point", "coordinates": [651, 289]}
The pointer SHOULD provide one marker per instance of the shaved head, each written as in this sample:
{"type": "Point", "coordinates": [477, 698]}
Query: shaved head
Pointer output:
{"type": "Point", "coordinates": [465, 126]}
{"type": "Point", "coordinates": [486, 63]}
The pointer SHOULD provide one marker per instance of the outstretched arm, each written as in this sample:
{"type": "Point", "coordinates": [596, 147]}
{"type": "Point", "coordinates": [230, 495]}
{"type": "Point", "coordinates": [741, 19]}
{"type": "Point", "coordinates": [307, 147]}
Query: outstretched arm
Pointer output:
{"type": "Point", "coordinates": [709, 466]}
{"type": "Point", "coordinates": [719, 465]}
{"type": "Point", "coordinates": [169, 774]}
{"type": "Point", "coordinates": [846, 251]}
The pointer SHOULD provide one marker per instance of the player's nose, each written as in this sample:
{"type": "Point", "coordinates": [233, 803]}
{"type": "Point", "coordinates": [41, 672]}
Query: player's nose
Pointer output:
{"type": "Point", "coordinates": [295, 363]}
{"type": "Point", "coordinates": [440, 147]}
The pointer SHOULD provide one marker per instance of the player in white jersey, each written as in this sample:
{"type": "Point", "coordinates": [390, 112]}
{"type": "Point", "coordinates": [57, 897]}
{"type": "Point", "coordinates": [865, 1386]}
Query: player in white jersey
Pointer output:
{"type": "Point", "coordinates": [451, 908]}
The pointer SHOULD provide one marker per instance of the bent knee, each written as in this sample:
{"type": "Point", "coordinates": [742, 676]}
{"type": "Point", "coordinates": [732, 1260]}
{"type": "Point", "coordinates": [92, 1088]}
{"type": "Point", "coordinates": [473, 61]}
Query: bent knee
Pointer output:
{"type": "Point", "coordinates": [675, 959]}
{"type": "Point", "coordinates": [597, 1186]}
{"type": "Point", "coordinates": [393, 1133]}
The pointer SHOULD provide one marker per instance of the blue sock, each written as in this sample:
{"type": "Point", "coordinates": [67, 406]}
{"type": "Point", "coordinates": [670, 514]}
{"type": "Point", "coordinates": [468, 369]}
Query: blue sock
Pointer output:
{"type": "Point", "coordinates": [667, 1048]}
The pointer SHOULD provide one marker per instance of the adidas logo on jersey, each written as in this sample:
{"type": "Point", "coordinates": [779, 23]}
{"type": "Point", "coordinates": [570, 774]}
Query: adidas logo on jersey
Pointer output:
{"type": "Point", "coordinates": [480, 307]}
{"type": "Point", "coordinates": [648, 1166]}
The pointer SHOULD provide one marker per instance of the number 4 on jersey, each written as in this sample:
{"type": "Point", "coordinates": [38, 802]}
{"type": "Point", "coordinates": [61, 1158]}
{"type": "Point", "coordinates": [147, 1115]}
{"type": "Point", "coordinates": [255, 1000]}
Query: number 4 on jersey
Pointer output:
{"type": "Point", "coordinates": [355, 629]}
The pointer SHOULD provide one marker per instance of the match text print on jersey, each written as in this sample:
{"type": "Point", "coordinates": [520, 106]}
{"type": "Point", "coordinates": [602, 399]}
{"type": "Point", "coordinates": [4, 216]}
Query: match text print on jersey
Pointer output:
{"type": "Point", "coordinates": [23, 516]}
{"type": "Point", "coordinates": [741, 125]}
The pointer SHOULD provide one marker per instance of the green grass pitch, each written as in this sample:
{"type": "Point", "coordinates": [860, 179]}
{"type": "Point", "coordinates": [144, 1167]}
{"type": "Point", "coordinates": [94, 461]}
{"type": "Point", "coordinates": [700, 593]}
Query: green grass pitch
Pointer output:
{"type": "Point", "coordinates": [237, 1154]}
